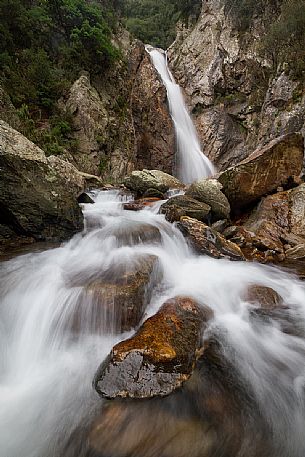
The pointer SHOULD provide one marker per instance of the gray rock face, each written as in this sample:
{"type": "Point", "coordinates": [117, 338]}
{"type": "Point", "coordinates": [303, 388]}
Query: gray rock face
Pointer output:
{"type": "Point", "coordinates": [159, 358]}
{"type": "Point", "coordinates": [154, 131]}
{"type": "Point", "coordinates": [141, 181]}
{"type": "Point", "coordinates": [239, 102]}
{"type": "Point", "coordinates": [209, 191]}
{"type": "Point", "coordinates": [37, 197]}
{"type": "Point", "coordinates": [183, 205]}
{"type": "Point", "coordinates": [121, 118]}
{"type": "Point", "coordinates": [90, 119]}
{"type": "Point", "coordinates": [8, 112]}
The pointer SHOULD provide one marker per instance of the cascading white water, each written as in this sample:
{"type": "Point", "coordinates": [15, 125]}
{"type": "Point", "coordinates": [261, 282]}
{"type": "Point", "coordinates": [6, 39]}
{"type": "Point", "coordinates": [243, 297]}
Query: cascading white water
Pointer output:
{"type": "Point", "coordinates": [191, 164]}
{"type": "Point", "coordinates": [46, 368]}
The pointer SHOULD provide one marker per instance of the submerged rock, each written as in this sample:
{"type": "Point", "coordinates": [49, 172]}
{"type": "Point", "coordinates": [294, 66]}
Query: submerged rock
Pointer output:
{"type": "Point", "coordinates": [159, 358]}
{"type": "Point", "coordinates": [142, 181]}
{"type": "Point", "coordinates": [279, 163]}
{"type": "Point", "coordinates": [147, 429]}
{"type": "Point", "coordinates": [138, 205]}
{"type": "Point", "coordinates": [207, 241]}
{"type": "Point", "coordinates": [38, 195]}
{"type": "Point", "coordinates": [209, 191]}
{"type": "Point", "coordinates": [133, 233]}
{"type": "Point", "coordinates": [119, 297]}
{"type": "Point", "coordinates": [183, 205]}
{"type": "Point", "coordinates": [263, 296]}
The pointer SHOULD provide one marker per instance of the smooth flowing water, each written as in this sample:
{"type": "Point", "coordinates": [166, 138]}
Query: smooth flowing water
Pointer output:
{"type": "Point", "coordinates": [47, 365]}
{"type": "Point", "coordinates": [191, 164]}
{"type": "Point", "coordinates": [246, 401]}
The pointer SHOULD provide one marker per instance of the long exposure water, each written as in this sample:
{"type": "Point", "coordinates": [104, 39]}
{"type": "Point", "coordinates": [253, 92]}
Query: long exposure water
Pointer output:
{"type": "Point", "coordinates": [47, 366]}
{"type": "Point", "coordinates": [246, 401]}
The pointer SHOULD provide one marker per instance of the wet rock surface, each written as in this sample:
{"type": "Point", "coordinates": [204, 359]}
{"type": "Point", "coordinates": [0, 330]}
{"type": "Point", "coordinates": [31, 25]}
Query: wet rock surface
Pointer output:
{"type": "Point", "coordinates": [209, 192]}
{"type": "Point", "coordinates": [159, 358]}
{"type": "Point", "coordinates": [277, 164]}
{"type": "Point", "coordinates": [207, 241]}
{"type": "Point", "coordinates": [183, 205]}
{"type": "Point", "coordinates": [138, 205]}
{"type": "Point", "coordinates": [121, 295]}
{"type": "Point", "coordinates": [38, 195]}
{"type": "Point", "coordinates": [136, 233]}
{"type": "Point", "coordinates": [141, 181]}
{"type": "Point", "coordinates": [263, 296]}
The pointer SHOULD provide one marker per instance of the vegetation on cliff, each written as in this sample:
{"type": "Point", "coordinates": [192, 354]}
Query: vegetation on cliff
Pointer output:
{"type": "Point", "coordinates": [155, 22]}
{"type": "Point", "coordinates": [43, 47]}
{"type": "Point", "coordinates": [285, 38]}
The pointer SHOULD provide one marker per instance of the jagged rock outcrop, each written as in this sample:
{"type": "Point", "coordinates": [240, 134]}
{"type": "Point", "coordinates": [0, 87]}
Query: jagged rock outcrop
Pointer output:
{"type": "Point", "coordinates": [182, 205]}
{"type": "Point", "coordinates": [37, 199]}
{"type": "Point", "coordinates": [279, 163]}
{"type": "Point", "coordinates": [274, 230]}
{"type": "Point", "coordinates": [121, 119]}
{"type": "Point", "coordinates": [238, 99]}
{"type": "Point", "coordinates": [160, 357]}
{"type": "Point", "coordinates": [8, 112]}
{"type": "Point", "coordinates": [154, 132]}
{"type": "Point", "coordinates": [207, 241]}
{"type": "Point", "coordinates": [90, 119]}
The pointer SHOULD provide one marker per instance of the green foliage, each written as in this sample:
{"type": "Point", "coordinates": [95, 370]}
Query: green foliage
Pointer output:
{"type": "Point", "coordinates": [44, 45]}
{"type": "Point", "coordinates": [243, 11]}
{"type": "Point", "coordinates": [155, 22]}
{"type": "Point", "coordinates": [285, 41]}
{"type": "Point", "coordinates": [58, 137]}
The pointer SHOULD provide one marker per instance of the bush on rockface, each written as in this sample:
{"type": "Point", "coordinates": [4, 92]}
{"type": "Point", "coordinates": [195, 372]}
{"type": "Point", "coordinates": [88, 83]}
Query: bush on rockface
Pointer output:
{"type": "Point", "coordinates": [43, 48]}
{"type": "Point", "coordinates": [155, 22]}
{"type": "Point", "coordinates": [285, 40]}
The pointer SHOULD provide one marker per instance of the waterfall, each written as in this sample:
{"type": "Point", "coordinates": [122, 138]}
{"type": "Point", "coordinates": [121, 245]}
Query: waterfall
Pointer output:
{"type": "Point", "coordinates": [191, 164]}
{"type": "Point", "coordinates": [47, 364]}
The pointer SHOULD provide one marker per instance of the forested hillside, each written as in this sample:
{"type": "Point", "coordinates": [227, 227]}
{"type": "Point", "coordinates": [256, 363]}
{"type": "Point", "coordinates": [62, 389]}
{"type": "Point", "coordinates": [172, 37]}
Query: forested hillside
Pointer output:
{"type": "Point", "coordinates": [43, 47]}
{"type": "Point", "coordinates": [155, 22]}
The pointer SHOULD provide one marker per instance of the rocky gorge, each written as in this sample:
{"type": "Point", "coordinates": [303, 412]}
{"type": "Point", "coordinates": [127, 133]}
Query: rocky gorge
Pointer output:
{"type": "Point", "coordinates": [158, 324]}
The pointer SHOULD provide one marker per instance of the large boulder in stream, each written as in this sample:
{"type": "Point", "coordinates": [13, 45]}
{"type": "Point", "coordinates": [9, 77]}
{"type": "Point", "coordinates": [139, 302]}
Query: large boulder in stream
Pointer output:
{"type": "Point", "coordinates": [159, 358]}
{"type": "Point", "coordinates": [182, 205]}
{"type": "Point", "coordinates": [207, 241]}
{"type": "Point", "coordinates": [142, 181]}
{"type": "Point", "coordinates": [118, 298]}
{"type": "Point", "coordinates": [37, 198]}
{"type": "Point", "coordinates": [209, 191]}
{"type": "Point", "coordinates": [279, 163]}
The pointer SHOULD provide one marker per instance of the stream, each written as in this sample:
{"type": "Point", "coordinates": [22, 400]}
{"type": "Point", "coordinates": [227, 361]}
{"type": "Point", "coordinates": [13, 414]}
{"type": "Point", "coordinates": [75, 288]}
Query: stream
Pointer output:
{"type": "Point", "coordinates": [250, 402]}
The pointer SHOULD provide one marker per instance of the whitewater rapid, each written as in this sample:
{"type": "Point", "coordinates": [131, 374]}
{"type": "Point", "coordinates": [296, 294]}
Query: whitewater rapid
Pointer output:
{"type": "Point", "coordinates": [47, 367]}
{"type": "Point", "coordinates": [191, 163]}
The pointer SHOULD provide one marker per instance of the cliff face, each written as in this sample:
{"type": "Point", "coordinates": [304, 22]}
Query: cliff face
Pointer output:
{"type": "Point", "coordinates": [237, 99]}
{"type": "Point", "coordinates": [121, 119]}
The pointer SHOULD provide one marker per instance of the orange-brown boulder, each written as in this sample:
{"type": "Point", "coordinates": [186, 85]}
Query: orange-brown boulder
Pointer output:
{"type": "Point", "coordinates": [161, 355]}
